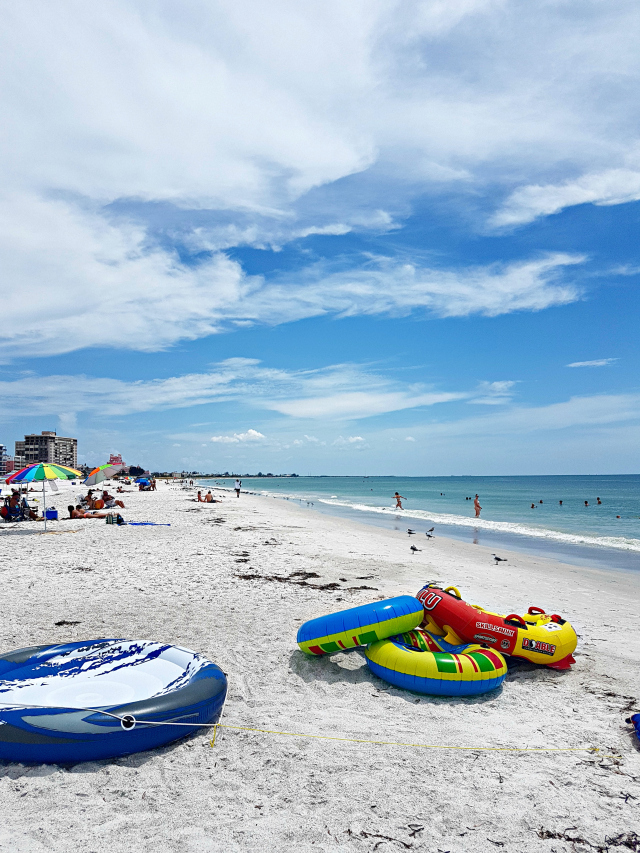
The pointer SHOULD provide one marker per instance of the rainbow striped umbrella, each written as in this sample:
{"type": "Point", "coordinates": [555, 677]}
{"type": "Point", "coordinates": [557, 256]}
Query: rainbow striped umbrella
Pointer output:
{"type": "Point", "coordinates": [102, 472]}
{"type": "Point", "coordinates": [43, 471]}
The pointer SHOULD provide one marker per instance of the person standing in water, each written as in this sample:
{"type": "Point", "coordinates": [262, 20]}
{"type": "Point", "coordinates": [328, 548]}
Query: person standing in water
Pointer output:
{"type": "Point", "coordinates": [237, 486]}
{"type": "Point", "coordinates": [398, 499]}
{"type": "Point", "coordinates": [476, 506]}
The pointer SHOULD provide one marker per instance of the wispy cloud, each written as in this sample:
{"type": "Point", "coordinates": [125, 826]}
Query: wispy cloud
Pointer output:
{"type": "Point", "coordinates": [494, 393]}
{"type": "Point", "coordinates": [335, 393]}
{"type": "Point", "coordinates": [238, 437]}
{"type": "Point", "coordinates": [116, 288]}
{"type": "Point", "coordinates": [598, 362]}
{"type": "Point", "coordinates": [612, 186]}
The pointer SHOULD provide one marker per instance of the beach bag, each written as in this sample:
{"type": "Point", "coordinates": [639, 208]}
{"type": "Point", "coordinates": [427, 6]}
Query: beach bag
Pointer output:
{"type": "Point", "coordinates": [110, 519]}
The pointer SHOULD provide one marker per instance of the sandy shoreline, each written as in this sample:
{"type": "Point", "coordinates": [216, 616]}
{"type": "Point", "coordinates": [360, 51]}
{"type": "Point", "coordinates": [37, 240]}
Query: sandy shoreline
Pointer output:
{"type": "Point", "coordinates": [253, 791]}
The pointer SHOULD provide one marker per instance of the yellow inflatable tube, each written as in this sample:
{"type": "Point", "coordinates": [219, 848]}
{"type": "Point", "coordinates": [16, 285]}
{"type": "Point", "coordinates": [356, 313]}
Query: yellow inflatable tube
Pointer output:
{"type": "Point", "coordinates": [423, 663]}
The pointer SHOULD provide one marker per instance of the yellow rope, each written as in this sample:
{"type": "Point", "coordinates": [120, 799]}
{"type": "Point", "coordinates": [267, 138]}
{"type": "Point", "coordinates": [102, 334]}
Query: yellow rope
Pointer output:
{"type": "Point", "coordinates": [420, 745]}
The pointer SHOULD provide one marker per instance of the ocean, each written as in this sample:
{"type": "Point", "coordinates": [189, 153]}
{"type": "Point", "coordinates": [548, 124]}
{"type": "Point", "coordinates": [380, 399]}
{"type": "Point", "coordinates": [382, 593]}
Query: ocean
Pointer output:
{"type": "Point", "coordinates": [602, 535]}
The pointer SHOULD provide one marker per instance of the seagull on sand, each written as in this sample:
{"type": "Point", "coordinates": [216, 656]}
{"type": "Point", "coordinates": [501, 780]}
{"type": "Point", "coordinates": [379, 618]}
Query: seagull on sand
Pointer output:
{"type": "Point", "coordinates": [414, 549]}
{"type": "Point", "coordinates": [499, 559]}
{"type": "Point", "coordinates": [410, 531]}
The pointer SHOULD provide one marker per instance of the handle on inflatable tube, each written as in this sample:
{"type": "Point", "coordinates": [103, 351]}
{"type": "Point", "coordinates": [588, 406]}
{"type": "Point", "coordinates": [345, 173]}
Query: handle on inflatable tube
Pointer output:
{"type": "Point", "coordinates": [453, 589]}
{"type": "Point", "coordinates": [513, 617]}
{"type": "Point", "coordinates": [535, 611]}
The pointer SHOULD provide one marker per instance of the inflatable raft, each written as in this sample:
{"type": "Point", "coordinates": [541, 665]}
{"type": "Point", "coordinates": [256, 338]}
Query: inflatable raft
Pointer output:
{"type": "Point", "coordinates": [538, 637]}
{"type": "Point", "coordinates": [424, 663]}
{"type": "Point", "coordinates": [103, 698]}
{"type": "Point", "coordinates": [359, 626]}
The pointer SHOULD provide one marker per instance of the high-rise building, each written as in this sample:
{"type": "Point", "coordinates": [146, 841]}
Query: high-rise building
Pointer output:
{"type": "Point", "coordinates": [3, 460]}
{"type": "Point", "coordinates": [48, 447]}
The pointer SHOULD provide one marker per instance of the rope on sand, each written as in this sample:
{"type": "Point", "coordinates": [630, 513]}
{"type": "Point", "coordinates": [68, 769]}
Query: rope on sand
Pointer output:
{"type": "Point", "coordinates": [128, 721]}
{"type": "Point", "coordinates": [592, 749]}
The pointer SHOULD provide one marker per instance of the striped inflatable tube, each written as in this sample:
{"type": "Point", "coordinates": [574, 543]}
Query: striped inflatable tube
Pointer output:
{"type": "Point", "coordinates": [424, 663]}
{"type": "Point", "coordinates": [360, 625]}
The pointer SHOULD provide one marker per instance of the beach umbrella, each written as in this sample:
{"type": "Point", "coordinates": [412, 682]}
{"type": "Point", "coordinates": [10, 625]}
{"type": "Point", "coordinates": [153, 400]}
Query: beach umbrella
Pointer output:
{"type": "Point", "coordinates": [41, 472]}
{"type": "Point", "coordinates": [102, 472]}
{"type": "Point", "coordinates": [142, 480]}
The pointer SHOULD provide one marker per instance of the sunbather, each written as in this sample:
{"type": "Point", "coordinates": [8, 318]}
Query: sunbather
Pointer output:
{"type": "Point", "coordinates": [110, 501]}
{"type": "Point", "coordinates": [79, 512]}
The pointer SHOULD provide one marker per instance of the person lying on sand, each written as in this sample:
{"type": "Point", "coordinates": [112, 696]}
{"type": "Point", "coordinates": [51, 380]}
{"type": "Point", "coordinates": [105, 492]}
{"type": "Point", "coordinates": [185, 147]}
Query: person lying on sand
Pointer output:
{"type": "Point", "coordinates": [110, 501]}
{"type": "Point", "coordinates": [78, 512]}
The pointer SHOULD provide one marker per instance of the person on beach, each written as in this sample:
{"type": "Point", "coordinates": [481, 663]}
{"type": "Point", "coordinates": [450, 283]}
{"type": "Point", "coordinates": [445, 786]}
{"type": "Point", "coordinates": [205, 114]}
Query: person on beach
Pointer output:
{"type": "Point", "coordinates": [398, 499]}
{"type": "Point", "coordinates": [209, 498]}
{"type": "Point", "coordinates": [199, 499]}
{"type": "Point", "coordinates": [110, 501]}
{"type": "Point", "coordinates": [237, 486]}
{"type": "Point", "coordinates": [476, 506]}
{"type": "Point", "coordinates": [78, 512]}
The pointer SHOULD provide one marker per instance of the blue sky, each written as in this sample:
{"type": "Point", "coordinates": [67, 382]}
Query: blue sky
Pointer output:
{"type": "Point", "coordinates": [376, 237]}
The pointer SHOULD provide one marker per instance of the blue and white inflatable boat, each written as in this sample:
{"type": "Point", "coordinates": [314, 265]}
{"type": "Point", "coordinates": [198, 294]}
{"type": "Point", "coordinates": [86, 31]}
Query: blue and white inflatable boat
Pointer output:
{"type": "Point", "coordinates": [103, 698]}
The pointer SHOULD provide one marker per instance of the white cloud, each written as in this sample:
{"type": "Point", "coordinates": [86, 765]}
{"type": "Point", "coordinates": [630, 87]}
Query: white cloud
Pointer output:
{"type": "Point", "coordinates": [76, 280]}
{"type": "Point", "coordinates": [328, 393]}
{"type": "Point", "coordinates": [246, 120]}
{"type": "Point", "coordinates": [383, 285]}
{"type": "Point", "coordinates": [598, 362]}
{"type": "Point", "coordinates": [213, 104]}
{"type": "Point", "coordinates": [238, 437]}
{"type": "Point", "coordinates": [409, 438]}
{"type": "Point", "coordinates": [338, 392]}
{"type": "Point", "coordinates": [612, 186]}
{"type": "Point", "coordinates": [355, 442]}
{"type": "Point", "coordinates": [494, 393]}
{"type": "Point", "coordinates": [576, 412]}
{"type": "Point", "coordinates": [357, 404]}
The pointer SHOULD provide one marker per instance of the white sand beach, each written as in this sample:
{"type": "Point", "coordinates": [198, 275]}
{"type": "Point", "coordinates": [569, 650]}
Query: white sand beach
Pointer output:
{"type": "Point", "coordinates": [183, 584]}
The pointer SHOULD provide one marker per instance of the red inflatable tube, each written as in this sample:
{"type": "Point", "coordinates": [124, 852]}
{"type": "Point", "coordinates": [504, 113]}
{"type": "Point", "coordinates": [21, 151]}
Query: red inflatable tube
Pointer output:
{"type": "Point", "coordinates": [538, 637]}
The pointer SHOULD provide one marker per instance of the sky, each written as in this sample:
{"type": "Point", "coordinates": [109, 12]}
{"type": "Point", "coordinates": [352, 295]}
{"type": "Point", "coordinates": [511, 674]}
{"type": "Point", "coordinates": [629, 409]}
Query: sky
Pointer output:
{"type": "Point", "coordinates": [371, 237]}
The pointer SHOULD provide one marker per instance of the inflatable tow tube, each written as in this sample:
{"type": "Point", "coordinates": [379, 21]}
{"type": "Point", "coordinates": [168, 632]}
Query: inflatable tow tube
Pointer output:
{"type": "Point", "coordinates": [359, 626]}
{"type": "Point", "coordinates": [424, 663]}
{"type": "Point", "coordinates": [536, 636]}
{"type": "Point", "coordinates": [103, 698]}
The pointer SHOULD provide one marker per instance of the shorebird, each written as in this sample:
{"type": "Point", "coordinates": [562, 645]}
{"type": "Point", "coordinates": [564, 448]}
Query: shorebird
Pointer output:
{"type": "Point", "coordinates": [499, 559]}
{"type": "Point", "coordinates": [410, 531]}
{"type": "Point", "coordinates": [414, 549]}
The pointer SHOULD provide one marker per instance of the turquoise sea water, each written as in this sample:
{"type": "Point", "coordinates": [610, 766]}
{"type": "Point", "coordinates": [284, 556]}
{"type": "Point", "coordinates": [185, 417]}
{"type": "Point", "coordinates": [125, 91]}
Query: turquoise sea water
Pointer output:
{"type": "Point", "coordinates": [570, 531]}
